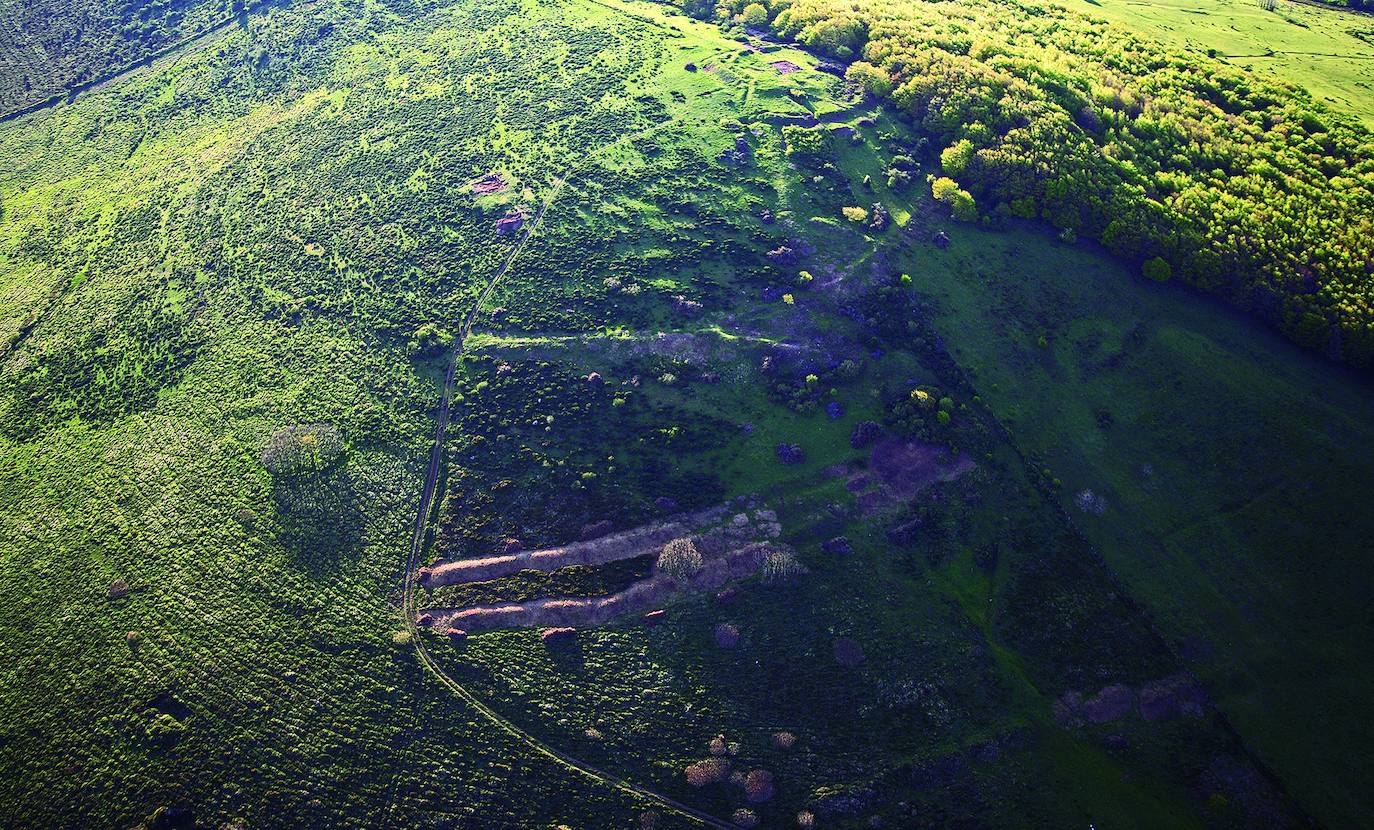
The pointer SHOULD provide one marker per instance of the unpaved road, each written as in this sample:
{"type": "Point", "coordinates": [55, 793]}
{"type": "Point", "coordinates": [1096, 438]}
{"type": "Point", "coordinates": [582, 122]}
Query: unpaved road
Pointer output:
{"type": "Point", "coordinates": [417, 546]}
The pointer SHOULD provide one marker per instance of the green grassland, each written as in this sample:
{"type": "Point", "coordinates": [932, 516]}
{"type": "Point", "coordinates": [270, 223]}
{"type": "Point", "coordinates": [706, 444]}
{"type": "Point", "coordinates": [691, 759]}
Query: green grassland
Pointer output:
{"type": "Point", "coordinates": [1326, 51]}
{"type": "Point", "coordinates": [1236, 456]}
{"type": "Point", "coordinates": [184, 277]}
{"type": "Point", "coordinates": [279, 231]}
{"type": "Point", "coordinates": [540, 453]}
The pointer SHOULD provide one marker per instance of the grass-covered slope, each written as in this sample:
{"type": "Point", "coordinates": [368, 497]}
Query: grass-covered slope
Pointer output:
{"type": "Point", "coordinates": [577, 410]}
{"type": "Point", "coordinates": [48, 48]}
{"type": "Point", "coordinates": [193, 262]}
{"type": "Point", "coordinates": [1233, 183]}
{"type": "Point", "coordinates": [1309, 45]}
{"type": "Point", "coordinates": [228, 287]}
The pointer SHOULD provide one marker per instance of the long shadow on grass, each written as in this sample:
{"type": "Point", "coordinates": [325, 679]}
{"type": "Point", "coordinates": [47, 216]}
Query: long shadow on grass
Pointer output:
{"type": "Point", "coordinates": [321, 523]}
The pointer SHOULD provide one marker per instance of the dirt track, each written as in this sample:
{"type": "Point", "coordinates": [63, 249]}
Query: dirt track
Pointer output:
{"type": "Point", "coordinates": [417, 546]}
{"type": "Point", "coordinates": [645, 595]}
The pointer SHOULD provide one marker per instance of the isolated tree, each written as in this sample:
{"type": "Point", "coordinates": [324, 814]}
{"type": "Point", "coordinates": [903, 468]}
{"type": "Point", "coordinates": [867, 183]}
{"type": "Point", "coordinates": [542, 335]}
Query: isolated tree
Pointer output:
{"type": "Point", "coordinates": [303, 449]}
{"type": "Point", "coordinates": [755, 15]}
{"type": "Point", "coordinates": [680, 559]}
{"type": "Point", "coordinates": [780, 566]}
{"type": "Point", "coordinates": [1157, 269]}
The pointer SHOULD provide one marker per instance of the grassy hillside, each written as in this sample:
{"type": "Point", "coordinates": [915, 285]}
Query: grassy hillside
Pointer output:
{"type": "Point", "coordinates": [1323, 50]}
{"type": "Point", "coordinates": [1056, 546]}
{"type": "Point", "coordinates": [47, 48]}
{"type": "Point", "coordinates": [187, 274]}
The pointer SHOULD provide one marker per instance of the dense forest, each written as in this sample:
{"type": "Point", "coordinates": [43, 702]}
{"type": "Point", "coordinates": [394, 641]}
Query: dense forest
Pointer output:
{"type": "Point", "coordinates": [1201, 173]}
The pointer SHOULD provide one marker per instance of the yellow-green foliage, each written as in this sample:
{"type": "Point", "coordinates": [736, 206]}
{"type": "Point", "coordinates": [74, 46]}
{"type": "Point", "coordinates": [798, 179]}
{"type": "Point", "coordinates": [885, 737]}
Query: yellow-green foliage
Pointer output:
{"type": "Point", "coordinates": [1236, 183]}
{"type": "Point", "coordinates": [805, 141]}
{"type": "Point", "coordinates": [961, 204]}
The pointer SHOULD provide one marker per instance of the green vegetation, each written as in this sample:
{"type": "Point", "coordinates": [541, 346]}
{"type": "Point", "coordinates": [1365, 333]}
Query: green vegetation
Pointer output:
{"type": "Point", "coordinates": [1058, 541]}
{"type": "Point", "coordinates": [1298, 44]}
{"type": "Point", "coordinates": [1246, 189]}
{"type": "Point", "coordinates": [48, 48]}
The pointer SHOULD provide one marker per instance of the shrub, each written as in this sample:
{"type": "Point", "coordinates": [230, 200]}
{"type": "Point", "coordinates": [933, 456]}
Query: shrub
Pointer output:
{"type": "Point", "coordinates": [804, 141]}
{"type": "Point", "coordinates": [855, 214]}
{"type": "Point", "coordinates": [708, 771]}
{"type": "Point", "coordinates": [680, 559]}
{"type": "Point", "coordinates": [745, 818]}
{"type": "Point", "coordinates": [429, 340]}
{"type": "Point", "coordinates": [780, 566]}
{"type": "Point", "coordinates": [865, 433]}
{"type": "Point", "coordinates": [874, 81]}
{"type": "Point", "coordinates": [758, 786]}
{"type": "Point", "coordinates": [954, 159]}
{"type": "Point", "coordinates": [1157, 269]}
{"type": "Point", "coordinates": [165, 729]}
{"type": "Point", "coordinates": [960, 201]}
{"type": "Point", "coordinates": [726, 635]}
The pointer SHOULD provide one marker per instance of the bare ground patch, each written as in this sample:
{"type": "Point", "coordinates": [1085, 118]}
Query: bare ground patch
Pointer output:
{"type": "Point", "coordinates": [734, 540]}
{"type": "Point", "coordinates": [899, 469]}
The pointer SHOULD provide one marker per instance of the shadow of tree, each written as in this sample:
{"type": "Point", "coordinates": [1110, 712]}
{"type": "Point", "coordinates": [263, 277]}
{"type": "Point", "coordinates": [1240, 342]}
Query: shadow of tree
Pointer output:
{"type": "Point", "coordinates": [321, 518]}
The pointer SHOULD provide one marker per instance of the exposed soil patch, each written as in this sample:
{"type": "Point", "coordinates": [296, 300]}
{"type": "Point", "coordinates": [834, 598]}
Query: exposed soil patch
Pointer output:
{"type": "Point", "coordinates": [899, 469]}
{"type": "Point", "coordinates": [709, 528]}
{"type": "Point", "coordinates": [908, 467]}
{"type": "Point", "coordinates": [574, 581]}
{"type": "Point", "coordinates": [489, 184]}
{"type": "Point", "coordinates": [510, 223]}
{"type": "Point", "coordinates": [638, 598]}
{"type": "Point", "coordinates": [734, 539]}
{"type": "Point", "coordinates": [785, 67]}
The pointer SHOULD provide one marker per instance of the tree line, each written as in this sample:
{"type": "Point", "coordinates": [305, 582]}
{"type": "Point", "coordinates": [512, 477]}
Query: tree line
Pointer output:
{"type": "Point", "coordinates": [1195, 170]}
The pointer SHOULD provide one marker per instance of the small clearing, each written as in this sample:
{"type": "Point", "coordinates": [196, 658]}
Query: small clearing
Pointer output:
{"type": "Point", "coordinates": [489, 184]}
